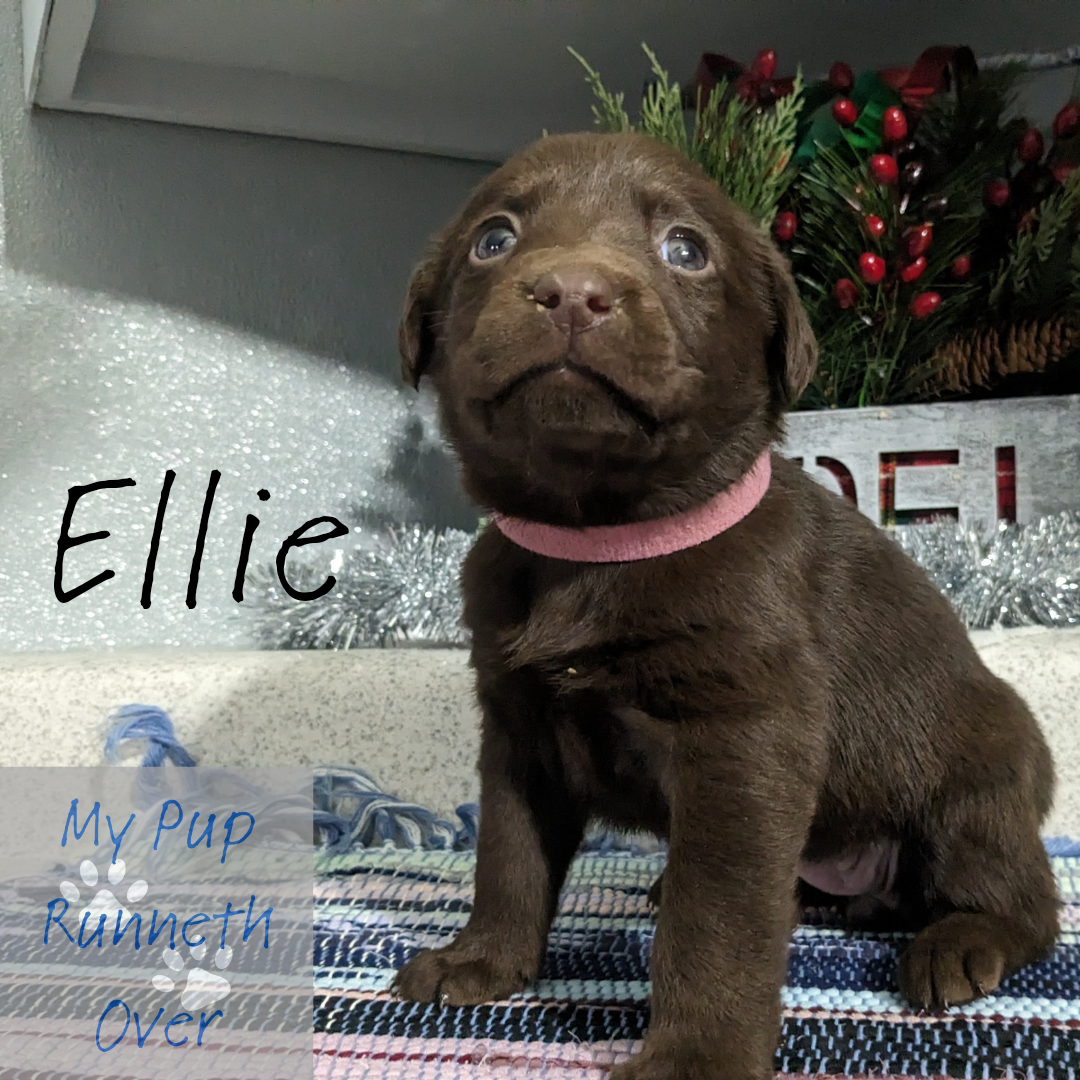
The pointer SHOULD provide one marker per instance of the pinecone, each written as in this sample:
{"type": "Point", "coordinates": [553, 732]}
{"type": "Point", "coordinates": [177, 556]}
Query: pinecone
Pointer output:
{"type": "Point", "coordinates": [980, 359]}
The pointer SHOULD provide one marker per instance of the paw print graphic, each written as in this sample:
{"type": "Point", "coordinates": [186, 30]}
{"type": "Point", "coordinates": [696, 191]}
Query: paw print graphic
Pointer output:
{"type": "Point", "coordinates": [104, 901]}
{"type": "Point", "coordinates": [202, 987]}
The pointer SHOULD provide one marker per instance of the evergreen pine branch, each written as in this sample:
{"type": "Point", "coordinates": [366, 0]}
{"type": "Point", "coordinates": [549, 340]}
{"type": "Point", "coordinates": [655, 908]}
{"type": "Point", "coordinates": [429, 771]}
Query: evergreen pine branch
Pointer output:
{"type": "Point", "coordinates": [1055, 214]}
{"type": "Point", "coordinates": [760, 171]}
{"type": "Point", "coordinates": [661, 109]}
{"type": "Point", "coordinates": [609, 114]}
{"type": "Point", "coordinates": [747, 153]}
{"type": "Point", "coordinates": [716, 128]}
{"type": "Point", "coordinates": [1019, 279]}
{"type": "Point", "coordinates": [1009, 269]}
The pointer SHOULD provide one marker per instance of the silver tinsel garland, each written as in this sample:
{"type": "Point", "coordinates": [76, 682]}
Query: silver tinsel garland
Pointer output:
{"type": "Point", "coordinates": [1019, 575]}
{"type": "Point", "coordinates": [405, 590]}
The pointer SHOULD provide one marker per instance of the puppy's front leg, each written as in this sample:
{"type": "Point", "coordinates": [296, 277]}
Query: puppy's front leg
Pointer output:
{"type": "Point", "coordinates": [741, 795]}
{"type": "Point", "coordinates": [529, 832]}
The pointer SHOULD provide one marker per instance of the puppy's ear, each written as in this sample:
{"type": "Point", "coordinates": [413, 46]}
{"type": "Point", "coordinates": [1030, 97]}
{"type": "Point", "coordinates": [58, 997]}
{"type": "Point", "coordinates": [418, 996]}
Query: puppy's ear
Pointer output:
{"type": "Point", "coordinates": [792, 352]}
{"type": "Point", "coordinates": [416, 335]}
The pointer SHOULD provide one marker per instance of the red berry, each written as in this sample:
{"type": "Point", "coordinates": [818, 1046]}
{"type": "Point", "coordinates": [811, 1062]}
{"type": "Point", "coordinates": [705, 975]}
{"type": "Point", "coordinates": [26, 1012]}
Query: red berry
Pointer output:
{"type": "Point", "coordinates": [1067, 121]}
{"type": "Point", "coordinates": [883, 168]}
{"type": "Point", "coordinates": [960, 267]}
{"type": "Point", "coordinates": [893, 124]}
{"type": "Point", "coordinates": [913, 269]}
{"type": "Point", "coordinates": [1030, 147]}
{"type": "Point", "coordinates": [917, 240]}
{"type": "Point", "coordinates": [844, 112]}
{"type": "Point", "coordinates": [871, 267]}
{"type": "Point", "coordinates": [996, 193]}
{"type": "Point", "coordinates": [841, 79]}
{"type": "Point", "coordinates": [1063, 171]}
{"type": "Point", "coordinates": [784, 226]}
{"type": "Point", "coordinates": [926, 303]}
{"type": "Point", "coordinates": [763, 65]}
{"type": "Point", "coordinates": [874, 226]}
{"type": "Point", "coordinates": [846, 293]}
{"type": "Point", "coordinates": [783, 87]}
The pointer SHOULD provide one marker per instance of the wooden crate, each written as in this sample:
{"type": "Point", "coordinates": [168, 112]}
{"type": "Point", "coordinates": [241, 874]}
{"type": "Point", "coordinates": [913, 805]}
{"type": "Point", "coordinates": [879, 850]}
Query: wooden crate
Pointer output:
{"type": "Point", "coordinates": [981, 461]}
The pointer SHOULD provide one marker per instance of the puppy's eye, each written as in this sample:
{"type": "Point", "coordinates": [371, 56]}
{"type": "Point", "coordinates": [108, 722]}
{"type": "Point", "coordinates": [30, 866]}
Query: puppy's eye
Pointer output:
{"type": "Point", "coordinates": [684, 251]}
{"type": "Point", "coordinates": [496, 241]}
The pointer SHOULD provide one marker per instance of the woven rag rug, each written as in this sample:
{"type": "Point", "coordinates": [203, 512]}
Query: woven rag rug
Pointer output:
{"type": "Point", "coordinates": [377, 907]}
{"type": "Point", "coordinates": [392, 878]}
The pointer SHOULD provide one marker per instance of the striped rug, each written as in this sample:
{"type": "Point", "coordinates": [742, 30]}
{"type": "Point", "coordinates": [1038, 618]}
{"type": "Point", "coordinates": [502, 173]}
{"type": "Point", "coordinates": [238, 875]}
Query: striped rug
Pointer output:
{"type": "Point", "coordinates": [376, 908]}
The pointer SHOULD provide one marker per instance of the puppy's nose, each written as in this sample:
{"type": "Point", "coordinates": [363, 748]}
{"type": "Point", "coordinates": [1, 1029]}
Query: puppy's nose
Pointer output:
{"type": "Point", "coordinates": [575, 299]}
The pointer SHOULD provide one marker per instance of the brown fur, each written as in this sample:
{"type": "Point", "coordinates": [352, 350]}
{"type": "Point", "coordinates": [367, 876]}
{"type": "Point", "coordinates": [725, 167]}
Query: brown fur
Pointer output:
{"type": "Point", "coordinates": [793, 688]}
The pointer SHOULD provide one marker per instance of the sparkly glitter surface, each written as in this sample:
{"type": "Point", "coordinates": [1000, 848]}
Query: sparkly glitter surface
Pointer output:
{"type": "Point", "coordinates": [94, 388]}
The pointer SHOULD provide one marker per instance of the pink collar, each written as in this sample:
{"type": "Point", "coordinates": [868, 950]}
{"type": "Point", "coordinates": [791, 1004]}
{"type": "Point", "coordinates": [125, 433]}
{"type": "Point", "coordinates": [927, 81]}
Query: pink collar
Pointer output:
{"type": "Point", "coordinates": [644, 539]}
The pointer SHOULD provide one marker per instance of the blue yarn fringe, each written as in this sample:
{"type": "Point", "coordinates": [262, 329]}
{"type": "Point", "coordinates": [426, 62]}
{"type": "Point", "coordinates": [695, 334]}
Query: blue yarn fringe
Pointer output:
{"type": "Point", "coordinates": [136, 722]}
{"type": "Point", "coordinates": [145, 722]}
{"type": "Point", "coordinates": [352, 811]}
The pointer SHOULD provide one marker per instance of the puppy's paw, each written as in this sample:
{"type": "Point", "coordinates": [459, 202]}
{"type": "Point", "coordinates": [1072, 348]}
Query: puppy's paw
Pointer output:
{"type": "Point", "coordinates": [455, 976]}
{"type": "Point", "coordinates": [953, 961]}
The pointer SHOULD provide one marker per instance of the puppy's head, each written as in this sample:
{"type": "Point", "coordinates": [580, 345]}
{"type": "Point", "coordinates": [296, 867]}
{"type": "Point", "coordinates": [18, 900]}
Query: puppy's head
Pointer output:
{"type": "Point", "coordinates": [610, 337]}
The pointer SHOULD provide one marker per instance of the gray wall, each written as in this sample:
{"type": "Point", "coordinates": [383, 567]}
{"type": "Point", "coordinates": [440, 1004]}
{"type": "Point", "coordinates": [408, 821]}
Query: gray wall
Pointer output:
{"type": "Point", "coordinates": [306, 243]}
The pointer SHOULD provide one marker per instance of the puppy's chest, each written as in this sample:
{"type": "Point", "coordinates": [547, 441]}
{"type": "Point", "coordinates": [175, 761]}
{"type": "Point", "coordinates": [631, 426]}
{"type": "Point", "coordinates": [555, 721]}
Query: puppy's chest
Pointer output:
{"type": "Point", "coordinates": [592, 635]}
{"type": "Point", "coordinates": [598, 659]}
{"type": "Point", "coordinates": [613, 763]}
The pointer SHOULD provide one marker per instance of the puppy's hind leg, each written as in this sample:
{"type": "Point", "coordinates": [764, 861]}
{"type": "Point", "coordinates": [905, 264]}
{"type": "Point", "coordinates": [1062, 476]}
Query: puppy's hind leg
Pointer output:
{"type": "Point", "coordinates": [987, 879]}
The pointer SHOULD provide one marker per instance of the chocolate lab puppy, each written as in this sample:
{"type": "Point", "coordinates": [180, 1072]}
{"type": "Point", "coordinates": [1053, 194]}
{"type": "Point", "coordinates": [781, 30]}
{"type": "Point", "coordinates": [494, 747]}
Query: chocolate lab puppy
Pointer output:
{"type": "Point", "coordinates": [675, 630]}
